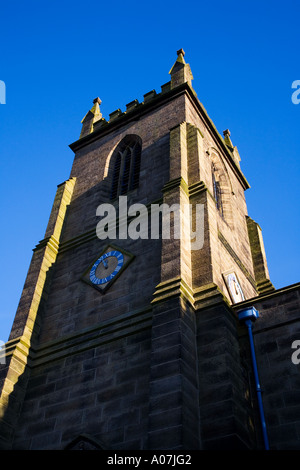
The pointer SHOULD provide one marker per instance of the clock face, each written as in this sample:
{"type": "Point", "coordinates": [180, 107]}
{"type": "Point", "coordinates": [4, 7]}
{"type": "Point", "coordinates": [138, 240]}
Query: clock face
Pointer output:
{"type": "Point", "coordinates": [106, 267]}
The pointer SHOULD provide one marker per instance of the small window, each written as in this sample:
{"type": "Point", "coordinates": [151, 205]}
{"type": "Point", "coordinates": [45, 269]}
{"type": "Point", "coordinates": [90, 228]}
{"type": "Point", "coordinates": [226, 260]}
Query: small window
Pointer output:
{"type": "Point", "coordinates": [127, 162]}
{"type": "Point", "coordinates": [222, 190]}
{"type": "Point", "coordinates": [217, 191]}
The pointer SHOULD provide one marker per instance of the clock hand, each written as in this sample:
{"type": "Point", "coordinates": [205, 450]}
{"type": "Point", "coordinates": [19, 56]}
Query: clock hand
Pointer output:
{"type": "Point", "coordinates": [105, 263]}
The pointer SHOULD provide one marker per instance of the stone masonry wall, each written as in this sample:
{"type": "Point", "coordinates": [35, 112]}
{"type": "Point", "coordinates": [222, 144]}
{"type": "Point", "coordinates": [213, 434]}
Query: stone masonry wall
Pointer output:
{"type": "Point", "coordinates": [274, 332]}
{"type": "Point", "coordinates": [101, 391]}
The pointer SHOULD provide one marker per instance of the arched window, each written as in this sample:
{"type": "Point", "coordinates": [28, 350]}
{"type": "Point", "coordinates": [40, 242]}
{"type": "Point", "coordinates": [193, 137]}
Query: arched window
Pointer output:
{"type": "Point", "coordinates": [221, 187]}
{"type": "Point", "coordinates": [126, 162]}
{"type": "Point", "coordinates": [217, 190]}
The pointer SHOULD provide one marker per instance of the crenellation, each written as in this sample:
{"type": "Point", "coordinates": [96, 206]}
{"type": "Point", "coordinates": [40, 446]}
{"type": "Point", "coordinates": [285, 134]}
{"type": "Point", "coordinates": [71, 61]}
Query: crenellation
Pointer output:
{"type": "Point", "coordinates": [115, 114]}
{"type": "Point", "coordinates": [133, 104]}
{"type": "Point", "coordinates": [149, 96]}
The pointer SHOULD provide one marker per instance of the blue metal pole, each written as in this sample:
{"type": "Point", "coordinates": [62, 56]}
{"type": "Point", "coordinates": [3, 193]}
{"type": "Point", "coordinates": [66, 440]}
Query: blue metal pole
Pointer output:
{"type": "Point", "coordinates": [249, 316]}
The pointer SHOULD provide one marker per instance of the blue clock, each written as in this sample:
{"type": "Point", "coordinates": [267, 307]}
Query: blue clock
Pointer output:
{"type": "Point", "coordinates": [106, 267]}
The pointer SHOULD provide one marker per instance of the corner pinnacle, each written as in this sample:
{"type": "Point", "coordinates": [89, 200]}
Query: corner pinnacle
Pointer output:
{"type": "Point", "coordinates": [180, 56]}
{"type": "Point", "coordinates": [91, 118]}
{"type": "Point", "coordinates": [231, 147]}
{"type": "Point", "coordinates": [180, 72]}
{"type": "Point", "coordinates": [227, 139]}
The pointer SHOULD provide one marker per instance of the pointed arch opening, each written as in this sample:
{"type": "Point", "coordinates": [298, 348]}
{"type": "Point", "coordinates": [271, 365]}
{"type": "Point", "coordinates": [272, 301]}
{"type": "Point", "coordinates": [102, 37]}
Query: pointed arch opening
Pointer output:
{"type": "Point", "coordinates": [85, 442]}
{"type": "Point", "coordinates": [222, 189]}
{"type": "Point", "coordinates": [217, 189]}
{"type": "Point", "coordinates": [125, 164]}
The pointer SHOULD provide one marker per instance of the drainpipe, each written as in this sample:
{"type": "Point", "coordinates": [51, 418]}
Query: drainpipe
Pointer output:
{"type": "Point", "coordinates": [248, 316]}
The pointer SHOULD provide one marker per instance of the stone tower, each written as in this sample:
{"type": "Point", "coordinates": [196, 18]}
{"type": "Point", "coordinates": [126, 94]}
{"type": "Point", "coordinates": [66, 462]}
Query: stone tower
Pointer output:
{"type": "Point", "coordinates": [133, 341]}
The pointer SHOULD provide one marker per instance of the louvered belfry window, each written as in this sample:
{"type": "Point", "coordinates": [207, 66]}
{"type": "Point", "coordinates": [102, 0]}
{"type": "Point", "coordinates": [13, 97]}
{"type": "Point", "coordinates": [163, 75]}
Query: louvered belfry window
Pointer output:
{"type": "Point", "coordinates": [126, 166]}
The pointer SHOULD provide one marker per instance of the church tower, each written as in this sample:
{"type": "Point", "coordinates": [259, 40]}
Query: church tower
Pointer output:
{"type": "Point", "coordinates": [126, 336]}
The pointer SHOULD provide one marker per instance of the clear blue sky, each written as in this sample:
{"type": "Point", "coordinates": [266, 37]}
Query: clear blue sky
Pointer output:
{"type": "Point", "coordinates": [57, 56]}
